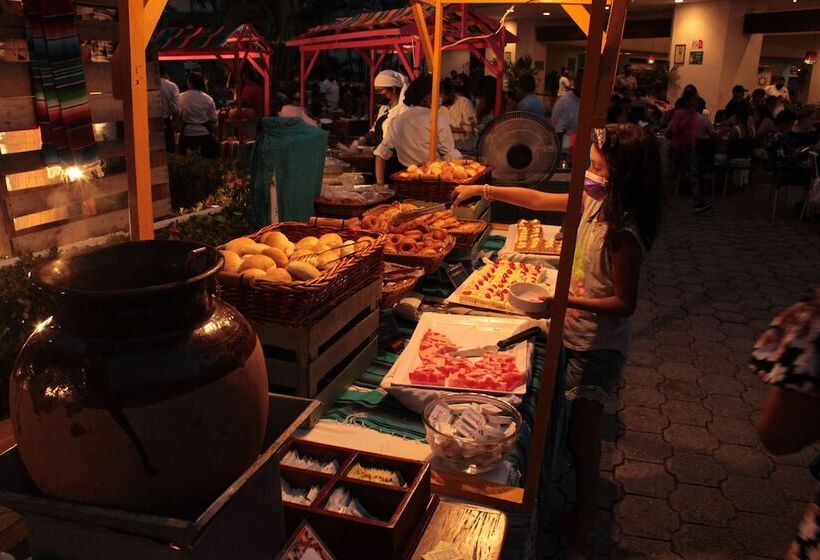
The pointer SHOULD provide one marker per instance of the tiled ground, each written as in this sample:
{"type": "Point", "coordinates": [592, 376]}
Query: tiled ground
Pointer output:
{"type": "Point", "coordinates": [683, 473]}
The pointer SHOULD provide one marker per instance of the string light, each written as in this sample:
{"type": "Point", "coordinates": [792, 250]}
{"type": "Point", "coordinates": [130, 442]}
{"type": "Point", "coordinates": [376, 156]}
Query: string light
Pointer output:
{"type": "Point", "coordinates": [74, 173]}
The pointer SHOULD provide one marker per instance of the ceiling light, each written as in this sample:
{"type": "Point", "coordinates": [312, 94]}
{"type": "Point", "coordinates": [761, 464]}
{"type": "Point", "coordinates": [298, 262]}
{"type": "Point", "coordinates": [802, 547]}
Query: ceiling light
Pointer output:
{"type": "Point", "coordinates": [546, 13]}
{"type": "Point", "coordinates": [678, 1]}
{"type": "Point", "coordinates": [606, 7]}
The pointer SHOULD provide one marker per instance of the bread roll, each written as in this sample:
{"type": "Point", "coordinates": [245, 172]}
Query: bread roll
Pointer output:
{"type": "Point", "coordinates": [232, 261]}
{"type": "Point", "coordinates": [256, 261]}
{"type": "Point", "coordinates": [278, 275]}
{"type": "Point", "coordinates": [253, 273]}
{"type": "Point", "coordinates": [332, 240]}
{"type": "Point", "coordinates": [235, 244]}
{"type": "Point", "coordinates": [278, 256]}
{"type": "Point", "coordinates": [301, 270]}
{"type": "Point", "coordinates": [308, 242]}
{"type": "Point", "coordinates": [275, 239]}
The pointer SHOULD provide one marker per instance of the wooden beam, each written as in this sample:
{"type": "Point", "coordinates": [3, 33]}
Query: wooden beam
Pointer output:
{"type": "Point", "coordinates": [151, 14]}
{"type": "Point", "coordinates": [609, 62]}
{"type": "Point", "coordinates": [572, 219]}
{"type": "Point", "coordinates": [438, 32]}
{"type": "Point", "coordinates": [135, 24]}
{"type": "Point", "coordinates": [579, 15]}
{"type": "Point", "coordinates": [17, 78]}
{"type": "Point", "coordinates": [424, 34]}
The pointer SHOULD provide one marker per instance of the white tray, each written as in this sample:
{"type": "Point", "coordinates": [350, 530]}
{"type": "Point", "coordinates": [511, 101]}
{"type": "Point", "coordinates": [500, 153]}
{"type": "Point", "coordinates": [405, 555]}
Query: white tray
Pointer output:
{"type": "Point", "coordinates": [465, 331]}
{"type": "Point", "coordinates": [512, 237]}
{"type": "Point", "coordinates": [551, 277]}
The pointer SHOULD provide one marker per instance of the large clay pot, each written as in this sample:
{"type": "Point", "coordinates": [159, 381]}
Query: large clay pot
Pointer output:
{"type": "Point", "coordinates": [144, 391]}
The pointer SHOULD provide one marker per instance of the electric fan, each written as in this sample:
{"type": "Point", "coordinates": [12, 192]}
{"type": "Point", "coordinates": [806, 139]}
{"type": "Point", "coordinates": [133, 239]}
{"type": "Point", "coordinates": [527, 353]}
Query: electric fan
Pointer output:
{"type": "Point", "coordinates": [522, 148]}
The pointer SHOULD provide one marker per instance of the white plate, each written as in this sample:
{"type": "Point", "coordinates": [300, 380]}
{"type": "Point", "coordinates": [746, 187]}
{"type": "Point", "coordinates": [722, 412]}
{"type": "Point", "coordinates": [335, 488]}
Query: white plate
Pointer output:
{"type": "Point", "coordinates": [550, 279]}
{"type": "Point", "coordinates": [466, 332]}
{"type": "Point", "coordinates": [512, 237]}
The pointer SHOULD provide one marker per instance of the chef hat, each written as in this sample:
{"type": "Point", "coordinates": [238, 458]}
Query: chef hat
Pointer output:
{"type": "Point", "coordinates": [390, 78]}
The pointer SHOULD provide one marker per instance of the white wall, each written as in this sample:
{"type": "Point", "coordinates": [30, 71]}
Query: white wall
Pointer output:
{"type": "Point", "coordinates": [729, 56]}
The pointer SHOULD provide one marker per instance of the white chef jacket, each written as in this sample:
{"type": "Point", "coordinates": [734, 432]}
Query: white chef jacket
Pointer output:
{"type": "Point", "coordinates": [197, 108]}
{"type": "Point", "coordinates": [392, 113]}
{"type": "Point", "coordinates": [782, 93]}
{"type": "Point", "coordinates": [409, 138]}
{"type": "Point", "coordinates": [462, 115]}
{"type": "Point", "coordinates": [564, 85]}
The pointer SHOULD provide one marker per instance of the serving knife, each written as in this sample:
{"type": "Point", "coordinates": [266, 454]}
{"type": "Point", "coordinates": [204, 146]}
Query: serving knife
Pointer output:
{"type": "Point", "coordinates": [501, 345]}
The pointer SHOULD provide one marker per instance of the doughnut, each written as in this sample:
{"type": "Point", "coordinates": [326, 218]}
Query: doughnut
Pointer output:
{"type": "Point", "coordinates": [414, 234]}
{"type": "Point", "coordinates": [390, 248]}
{"type": "Point", "coordinates": [369, 222]}
{"type": "Point", "coordinates": [394, 239]}
{"type": "Point", "coordinates": [429, 252]}
{"type": "Point", "coordinates": [407, 246]}
{"type": "Point", "coordinates": [438, 234]}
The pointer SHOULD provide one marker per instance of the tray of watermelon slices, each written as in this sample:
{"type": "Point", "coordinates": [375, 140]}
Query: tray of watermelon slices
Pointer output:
{"type": "Point", "coordinates": [429, 359]}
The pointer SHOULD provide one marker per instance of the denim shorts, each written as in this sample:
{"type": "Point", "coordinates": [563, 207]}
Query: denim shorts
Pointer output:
{"type": "Point", "coordinates": [592, 374]}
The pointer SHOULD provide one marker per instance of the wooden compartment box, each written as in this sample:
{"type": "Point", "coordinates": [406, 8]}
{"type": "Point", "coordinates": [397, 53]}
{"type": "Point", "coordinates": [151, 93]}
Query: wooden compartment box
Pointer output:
{"type": "Point", "coordinates": [401, 512]}
{"type": "Point", "coordinates": [322, 358]}
{"type": "Point", "coordinates": [245, 521]}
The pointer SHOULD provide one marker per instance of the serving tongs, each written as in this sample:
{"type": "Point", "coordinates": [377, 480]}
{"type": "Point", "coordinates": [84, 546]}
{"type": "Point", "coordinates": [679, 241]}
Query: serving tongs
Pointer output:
{"type": "Point", "coordinates": [501, 345]}
{"type": "Point", "coordinates": [404, 217]}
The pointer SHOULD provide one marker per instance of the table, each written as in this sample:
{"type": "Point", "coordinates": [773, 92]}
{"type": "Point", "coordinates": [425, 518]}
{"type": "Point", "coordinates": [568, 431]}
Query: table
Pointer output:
{"type": "Point", "coordinates": [478, 532]}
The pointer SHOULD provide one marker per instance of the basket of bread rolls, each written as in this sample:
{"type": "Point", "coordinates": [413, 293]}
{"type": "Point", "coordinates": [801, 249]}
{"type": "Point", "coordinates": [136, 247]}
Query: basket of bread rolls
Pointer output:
{"type": "Point", "coordinates": [436, 180]}
{"type": "Point", "coordinates": [292, 273]}
{"type": "Point", "coordinates": [465, 232]}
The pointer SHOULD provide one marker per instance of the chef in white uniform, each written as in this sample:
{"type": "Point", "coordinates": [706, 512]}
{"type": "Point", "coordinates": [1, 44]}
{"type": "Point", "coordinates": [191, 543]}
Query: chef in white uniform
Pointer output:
{"type": "Point", "coordinates": [408, 136]}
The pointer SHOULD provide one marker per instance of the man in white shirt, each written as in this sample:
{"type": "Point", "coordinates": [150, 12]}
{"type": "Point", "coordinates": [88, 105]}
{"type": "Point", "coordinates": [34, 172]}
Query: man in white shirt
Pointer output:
{"type": "Point", "coordinates": [330, 91]}
{"type": "Point", "coordinates": [564, 83]}
{"type": "Point", "coordinates": [460, 113]}
{"type": "Point", "coordinates": [408, 138]}
{"type": "Point", "coordinates": [199, 119]}
{"type": "Point", "coordinates": [779, 89]}
{"type": "Point", "coordinates": [169, 101]}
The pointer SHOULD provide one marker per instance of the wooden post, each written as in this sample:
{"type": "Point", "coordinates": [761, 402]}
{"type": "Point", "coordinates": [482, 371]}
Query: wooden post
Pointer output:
{"type": "Point", "coordinates": [587, 116]}
{"type": "Point", "coordinates": [135, 24]}
{"type": "Point", "coordinates": [303, 80]}
{"type": "Point", "coordinates": [438, 32]}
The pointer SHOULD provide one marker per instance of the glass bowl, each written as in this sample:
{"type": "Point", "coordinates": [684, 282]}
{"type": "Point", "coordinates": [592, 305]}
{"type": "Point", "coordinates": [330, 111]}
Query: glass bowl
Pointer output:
{"type": "Point", "coordinates": [465, 454]}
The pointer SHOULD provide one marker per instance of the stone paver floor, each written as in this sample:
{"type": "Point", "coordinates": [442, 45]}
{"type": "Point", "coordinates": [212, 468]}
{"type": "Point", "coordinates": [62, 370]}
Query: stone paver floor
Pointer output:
{"type": "Point", "coordinates": [683, 473]}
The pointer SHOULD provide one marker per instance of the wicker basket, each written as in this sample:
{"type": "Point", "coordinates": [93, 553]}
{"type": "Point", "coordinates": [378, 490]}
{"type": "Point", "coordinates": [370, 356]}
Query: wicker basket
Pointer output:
{"type": "Point", "coordinates": [347, 210]}
{"type": "Point", "coordinates": [299, 303]}
{"type": "Point", "coordinates": [429, 263]}
{"type": "Point", "coordinates": [462, 239]}
{"type": "Point", "coordinates": [433, 190]}
{"type": "Point", "coordinates": [394, 291]}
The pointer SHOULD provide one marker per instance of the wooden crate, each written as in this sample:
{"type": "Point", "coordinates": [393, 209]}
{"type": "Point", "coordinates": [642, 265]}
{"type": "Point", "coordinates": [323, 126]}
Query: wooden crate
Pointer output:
{"type": "Point", "coordinates": [245, 521]}
{"type": "Point", "coordinates": [401, 513]}
{"type": "Point", "coordinates": [339, 344]}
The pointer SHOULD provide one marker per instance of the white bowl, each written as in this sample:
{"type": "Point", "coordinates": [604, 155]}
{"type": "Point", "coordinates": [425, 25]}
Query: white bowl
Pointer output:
{"type": "Point", "coordinates": [528, 297]}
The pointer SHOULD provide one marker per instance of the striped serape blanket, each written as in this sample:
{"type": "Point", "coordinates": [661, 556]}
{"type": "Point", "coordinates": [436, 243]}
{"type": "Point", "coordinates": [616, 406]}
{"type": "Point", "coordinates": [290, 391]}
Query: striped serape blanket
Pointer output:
{"type": "Point", "coordinates": [58, 80]}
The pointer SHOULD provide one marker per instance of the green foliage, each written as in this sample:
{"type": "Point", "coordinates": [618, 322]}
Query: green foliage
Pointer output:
{"type": "Point", "coordinates": [658, 80]}
{"type": "Point", "coordinates": [214, 229]}
{"type": "Point", "coordinates": [21, 308]}
{"type": "Point", "coordinates": [514, 70]}
{"type": "Point", "coordinates": [198, 183]}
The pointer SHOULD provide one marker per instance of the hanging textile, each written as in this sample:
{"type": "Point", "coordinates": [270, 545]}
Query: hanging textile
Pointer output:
{"type": "Point", "coordinates": [58, 82]}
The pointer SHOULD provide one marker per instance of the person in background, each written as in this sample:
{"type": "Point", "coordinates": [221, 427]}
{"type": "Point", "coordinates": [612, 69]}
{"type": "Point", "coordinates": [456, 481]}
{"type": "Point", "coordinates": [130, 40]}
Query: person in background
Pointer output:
{"type": "Point", "coordinates": [169, 101]}
{"type": "Point", "coordinates": [738, 99]}
{"type": "Point", "coordinates": [390, 88]}
{"type": "Point", "coordinates": [620, 222]}
{"type": "Point", "coordinates": [564, 83]}
{"type": "Point", "coordinates": [461, 115]}
{"type": "Point", "coordinates": [787, 358]}
{"type": "Point", "coordinates": [485, 102]}
{"type": "Point", "coordinates": [762, 122]}
{"type": "Point", "coordinates": [705, 127]}
{"type": "Point", "coordinates": [682, 134]}
{"type": "Point", "coordinates": [778, 89]}
{"type": "Point", "coordinates": [527, 100]}
{"type": "Point", "coordinates": [290, 107]}
{"type": "Point", "coordinates": [251, 94]}
{"type": "Point", "coordinates": [783, 148]}
{"type": "Point", "coordinates": [639, 107]}
{"type": "Point", "coordinates": [408, 138]}
{"type": "Point", "coordinates": [454, 75]}
{"type": "Point", "coordinates": [199, 119]}
{"type": "Point", "coordinates": [626, 82]}
{"type": "Point", "coordinates": [329, 89]}
{"type": "Point", "coordinates": [218, 88]}
{"type": "Point", "coordinates": [564, 118]}
{"type": "Point", "coordinates": [758, 97]}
